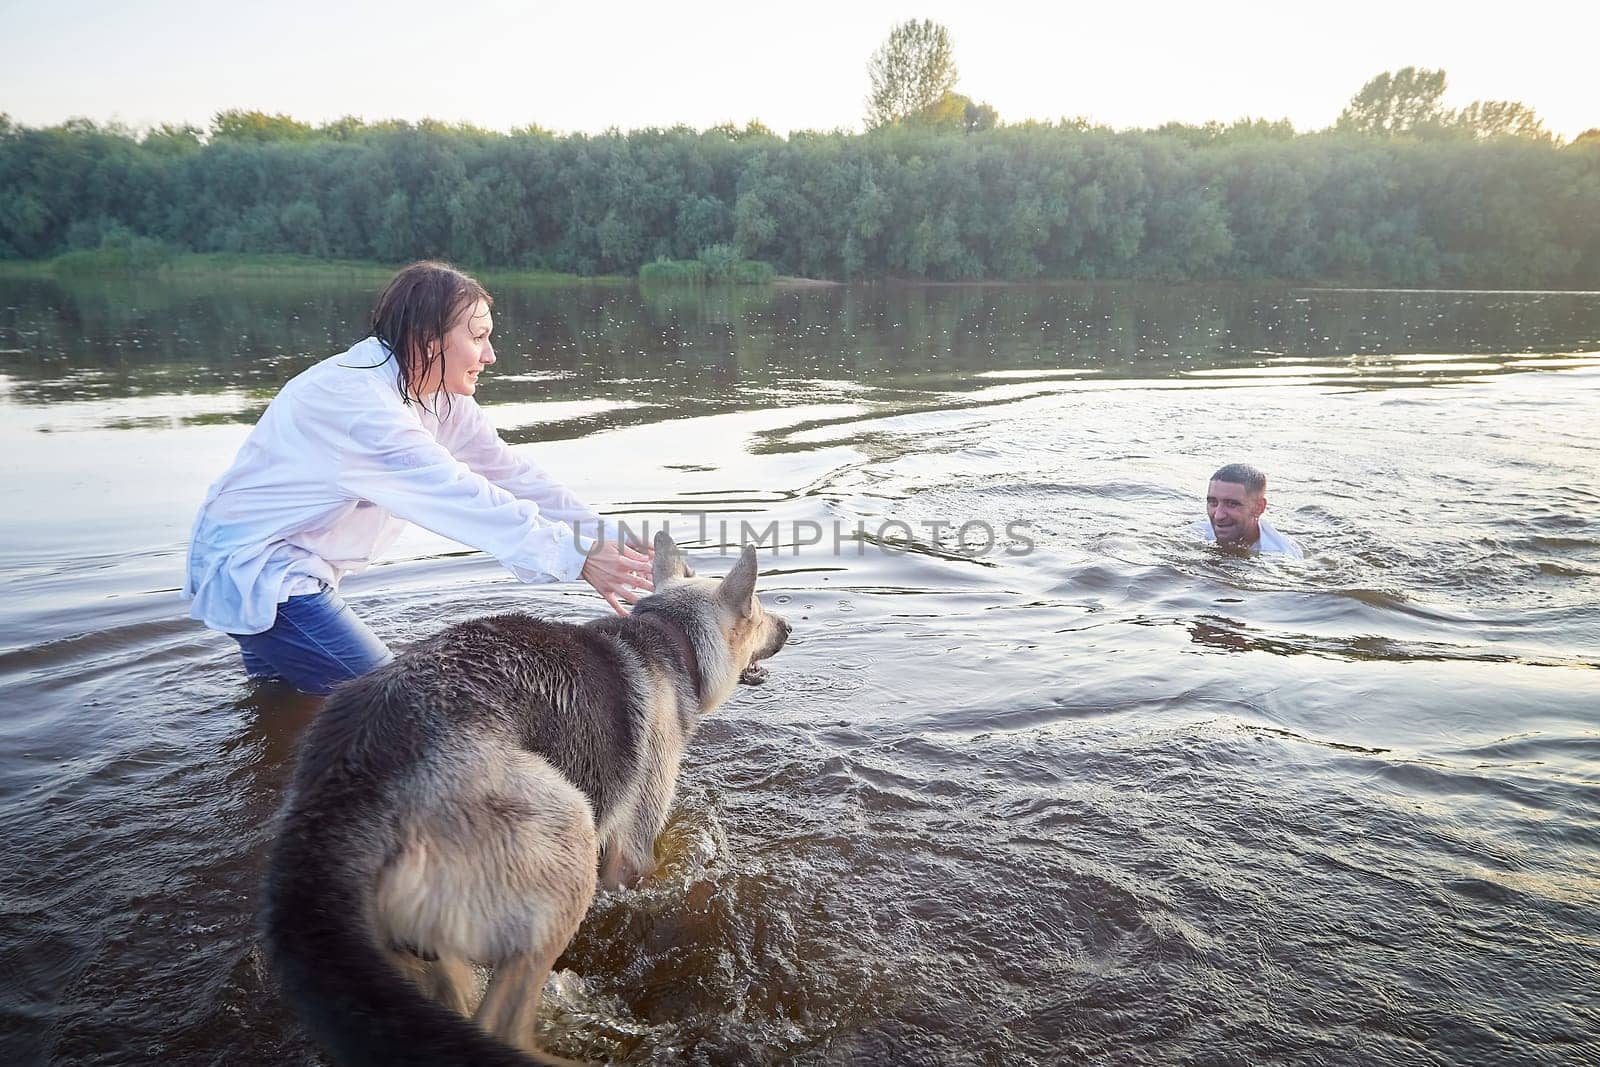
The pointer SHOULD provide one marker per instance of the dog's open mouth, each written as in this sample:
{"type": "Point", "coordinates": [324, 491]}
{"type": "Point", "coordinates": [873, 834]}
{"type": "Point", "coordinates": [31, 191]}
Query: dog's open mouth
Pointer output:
{"type": "Point", "coordinates": [755, 673]}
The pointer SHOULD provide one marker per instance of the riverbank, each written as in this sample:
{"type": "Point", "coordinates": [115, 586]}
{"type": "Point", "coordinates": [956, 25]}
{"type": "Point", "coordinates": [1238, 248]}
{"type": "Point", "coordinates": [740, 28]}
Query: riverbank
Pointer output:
{"type": "Point", "coordinates": [105, 263]}
{"type": "Point", "coordinates": [290, 267]}
{"type": "Point", "coordinates": [100, 264]}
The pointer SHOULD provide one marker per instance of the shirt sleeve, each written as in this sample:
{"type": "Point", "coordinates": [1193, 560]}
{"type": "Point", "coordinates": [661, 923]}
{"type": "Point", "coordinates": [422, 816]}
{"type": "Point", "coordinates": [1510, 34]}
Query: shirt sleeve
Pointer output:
{"type": "Point", "coordinates": [474, 441]}
{"type": "Point", "coordinates": [398, 465]}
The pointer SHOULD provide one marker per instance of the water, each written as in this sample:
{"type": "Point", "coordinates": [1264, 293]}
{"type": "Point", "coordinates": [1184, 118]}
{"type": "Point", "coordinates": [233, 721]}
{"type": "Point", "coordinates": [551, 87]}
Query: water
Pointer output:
{"type": "Point", "coordinates": [1092, 792]}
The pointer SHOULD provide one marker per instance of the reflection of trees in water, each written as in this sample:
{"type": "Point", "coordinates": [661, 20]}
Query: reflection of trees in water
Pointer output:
{"type": "Point", "coordinates": [701, 349]}
{"type": "Point", "coordinates": [112, 338]}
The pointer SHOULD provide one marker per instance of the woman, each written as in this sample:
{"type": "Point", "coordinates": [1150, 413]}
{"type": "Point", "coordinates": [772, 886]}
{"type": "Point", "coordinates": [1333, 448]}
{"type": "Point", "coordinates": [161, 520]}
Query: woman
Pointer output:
{"type": "Point", "coordinates": [351, 450]}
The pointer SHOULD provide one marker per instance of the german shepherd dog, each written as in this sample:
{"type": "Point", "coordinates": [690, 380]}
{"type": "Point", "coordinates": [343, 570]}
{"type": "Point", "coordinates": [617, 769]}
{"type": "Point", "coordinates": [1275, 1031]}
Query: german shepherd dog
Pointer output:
{"type": "Point", "coordinates": [456, 805]}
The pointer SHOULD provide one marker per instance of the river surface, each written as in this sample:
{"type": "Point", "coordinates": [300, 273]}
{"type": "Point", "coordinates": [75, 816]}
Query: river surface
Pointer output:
{"type": "Point", "coordinates": [1039, 779]}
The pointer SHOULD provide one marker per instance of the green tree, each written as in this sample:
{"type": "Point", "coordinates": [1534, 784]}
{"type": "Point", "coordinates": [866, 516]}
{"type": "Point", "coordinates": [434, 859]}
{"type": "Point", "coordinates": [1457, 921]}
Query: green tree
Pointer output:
{"type": "Point", "coordinates": [348, 128]}
{"type": "Point", "coordinates": [1484, 119]}
{"type": "Point", "coordinates": [949, 112]}
{"type": "Point", "coordinates": [910, 73]}
{"type": "Point", "coordinates": [238, 125]}
{"type": "Point", "coordinates": [396, 236]}
{"type": "Point", "coordinates": [701, 221]}
{"type": "Point", "coordinates": [1406, 101]}
{"type": "Point", "coordinates": [172, 140]}
{"type": "Point", "coordinates": [1471, 204]}
{"type": "Point", "coordinates": [753, 130]}
{"type": "Point", "coordinates": [979, 116]}
{"type": "Point", "coordinates": [953, 111]}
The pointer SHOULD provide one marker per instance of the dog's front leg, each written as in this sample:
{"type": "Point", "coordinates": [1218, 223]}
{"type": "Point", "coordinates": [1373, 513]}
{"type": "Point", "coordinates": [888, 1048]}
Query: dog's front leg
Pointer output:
{"type": "Point", "coordinates": [622, 866]}
{"type": "Point", "coordinates": [628, 855]}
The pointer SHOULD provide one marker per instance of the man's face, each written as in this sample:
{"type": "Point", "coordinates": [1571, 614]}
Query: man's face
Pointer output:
{"type": "Point", "coordinates": [467, 349]}
{"type": "Point", "coordinates": [1235, 513]}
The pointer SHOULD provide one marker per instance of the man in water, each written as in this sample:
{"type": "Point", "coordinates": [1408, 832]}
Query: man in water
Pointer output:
{"type": "Point", "coordinates": [1235, 500]}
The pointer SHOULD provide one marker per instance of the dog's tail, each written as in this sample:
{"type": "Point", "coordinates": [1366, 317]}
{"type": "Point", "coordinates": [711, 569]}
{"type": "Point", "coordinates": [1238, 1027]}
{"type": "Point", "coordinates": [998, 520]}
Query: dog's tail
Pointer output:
{"type": "Point", "coordinates": [353, 1000]}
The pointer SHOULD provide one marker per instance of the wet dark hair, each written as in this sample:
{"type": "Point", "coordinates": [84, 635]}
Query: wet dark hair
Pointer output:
{"type": "Point", "coordinates": [1242, 474]}
{"type": "Point", "coordinates": [416, 310]}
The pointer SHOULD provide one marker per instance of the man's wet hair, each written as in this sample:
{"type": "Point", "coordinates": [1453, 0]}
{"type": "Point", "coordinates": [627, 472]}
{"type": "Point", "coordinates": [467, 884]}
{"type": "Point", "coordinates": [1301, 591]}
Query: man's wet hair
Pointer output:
{"type": "Point", "coordinates": [1242, 474]}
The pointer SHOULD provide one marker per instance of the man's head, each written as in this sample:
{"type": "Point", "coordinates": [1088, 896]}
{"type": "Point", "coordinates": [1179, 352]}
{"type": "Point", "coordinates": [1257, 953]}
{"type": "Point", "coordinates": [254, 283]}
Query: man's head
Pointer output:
{"type": "Point", "coordinates": [1235, 500]}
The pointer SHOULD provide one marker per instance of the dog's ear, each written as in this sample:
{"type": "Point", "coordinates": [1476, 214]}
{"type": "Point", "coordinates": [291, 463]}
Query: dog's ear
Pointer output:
{"type": "Point", "coordinates": [739, 587]}
{"type": "Point", "coordinates": [670, 561]}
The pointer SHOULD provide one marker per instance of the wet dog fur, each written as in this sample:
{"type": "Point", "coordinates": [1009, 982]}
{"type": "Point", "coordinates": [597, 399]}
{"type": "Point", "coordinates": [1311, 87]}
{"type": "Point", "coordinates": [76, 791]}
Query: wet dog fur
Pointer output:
{"type": "Point", "coordinates": [458, 805]}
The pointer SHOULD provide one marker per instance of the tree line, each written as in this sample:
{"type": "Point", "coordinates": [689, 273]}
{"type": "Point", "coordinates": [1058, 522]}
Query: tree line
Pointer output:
{"type": "Point", "coordinates": [1379, 202]}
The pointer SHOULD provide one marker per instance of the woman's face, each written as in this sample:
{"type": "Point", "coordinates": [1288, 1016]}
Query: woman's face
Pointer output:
{"type": "Point", "coordinates": [467, 349]}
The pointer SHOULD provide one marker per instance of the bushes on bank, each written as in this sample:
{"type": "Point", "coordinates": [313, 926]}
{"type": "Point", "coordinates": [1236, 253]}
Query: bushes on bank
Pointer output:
{"type": "Point", "coordinates": [1015, 202]}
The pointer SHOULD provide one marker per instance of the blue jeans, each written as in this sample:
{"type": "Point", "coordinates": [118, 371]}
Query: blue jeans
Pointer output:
{"type": "Point", "coordinates": [315, 643]}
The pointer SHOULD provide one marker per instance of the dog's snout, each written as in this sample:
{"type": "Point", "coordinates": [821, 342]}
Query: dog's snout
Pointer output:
{"type": "Point", "coordinates": [781, 632]}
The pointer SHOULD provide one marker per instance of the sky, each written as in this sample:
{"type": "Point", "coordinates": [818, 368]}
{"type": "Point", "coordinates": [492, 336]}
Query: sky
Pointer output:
{"type": "Point", "coordinates": [587, 67]}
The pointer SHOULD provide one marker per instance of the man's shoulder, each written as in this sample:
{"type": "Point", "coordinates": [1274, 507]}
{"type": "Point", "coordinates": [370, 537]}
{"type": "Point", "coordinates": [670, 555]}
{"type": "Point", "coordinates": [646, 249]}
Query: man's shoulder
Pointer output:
{"type": "Point", "coordinates": [1274, 543]}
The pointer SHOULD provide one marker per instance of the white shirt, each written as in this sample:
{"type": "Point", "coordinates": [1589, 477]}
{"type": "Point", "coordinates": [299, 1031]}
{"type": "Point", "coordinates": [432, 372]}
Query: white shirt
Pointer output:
{"type": "Point", "coordinates": [1270, 541]}
{"type": "Point", "coordinates": [336, 467]}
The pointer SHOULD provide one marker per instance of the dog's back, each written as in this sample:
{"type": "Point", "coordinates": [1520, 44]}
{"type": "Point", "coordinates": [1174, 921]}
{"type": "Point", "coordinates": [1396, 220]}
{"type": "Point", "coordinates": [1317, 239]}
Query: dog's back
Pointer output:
{"type": "Point", "coordinates": [428, 795]}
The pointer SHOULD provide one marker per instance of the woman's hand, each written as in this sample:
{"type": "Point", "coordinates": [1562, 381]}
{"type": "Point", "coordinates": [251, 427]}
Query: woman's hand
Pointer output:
{"type": "Point", "coordinates": [620, 573]}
